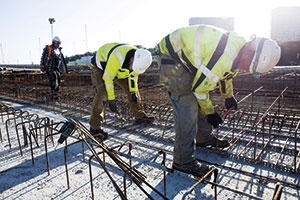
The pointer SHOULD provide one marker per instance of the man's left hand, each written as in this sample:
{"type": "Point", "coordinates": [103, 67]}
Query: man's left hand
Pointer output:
{"type": "Point", "coordinates": [214, 119]}
{"type": "Point", "coordinates": [42, 68]}
{"type": "Point", "coordinates": [231, 103]}
{"type": "Point", "coordinates": [134, 98]}
{"type": "Point", "coordinates": [112, 105]}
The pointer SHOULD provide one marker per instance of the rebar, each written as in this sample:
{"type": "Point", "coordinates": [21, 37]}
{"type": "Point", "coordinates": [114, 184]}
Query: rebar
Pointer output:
{"type": "Point", "coordinates": [261, 127]}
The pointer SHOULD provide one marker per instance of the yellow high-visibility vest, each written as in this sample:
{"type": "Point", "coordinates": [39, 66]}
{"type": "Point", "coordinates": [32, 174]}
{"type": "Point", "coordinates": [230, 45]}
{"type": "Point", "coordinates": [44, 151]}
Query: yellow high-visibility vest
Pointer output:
{"type": "Point", "coordinates": [110, 58]}
{"type": "Point", "coordinates": [195, 47]}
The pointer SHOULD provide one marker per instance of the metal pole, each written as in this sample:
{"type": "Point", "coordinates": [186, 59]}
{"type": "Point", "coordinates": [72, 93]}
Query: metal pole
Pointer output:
{"type": "Point", "coordinates": [51, 31]}
{"type": "Point", "coordinates": [51, 20]}
{"type": "Point", "coordinates": [86, 45]}
{"type": "Point", "coordinates": [2, 53]}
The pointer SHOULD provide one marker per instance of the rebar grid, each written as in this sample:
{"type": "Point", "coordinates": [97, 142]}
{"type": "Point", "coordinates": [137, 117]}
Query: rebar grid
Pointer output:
{"type": "Point", "coordinates": [84, 135]}
{"type": "Point", "coordinates": [264, 125]}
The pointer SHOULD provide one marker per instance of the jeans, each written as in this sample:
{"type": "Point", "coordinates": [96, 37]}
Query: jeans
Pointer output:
{"type": "Point", "coordinates": [190, 126]}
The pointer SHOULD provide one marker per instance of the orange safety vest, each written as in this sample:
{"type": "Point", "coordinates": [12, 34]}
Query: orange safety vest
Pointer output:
{"type": "Point", "coordinates": [49, 52]}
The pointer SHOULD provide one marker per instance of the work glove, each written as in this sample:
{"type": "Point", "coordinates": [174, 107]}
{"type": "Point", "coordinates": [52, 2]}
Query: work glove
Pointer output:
{"type": "Point", "coordinates": [134, 98]}
{"type": "Point", "coordinates": [42, 68]}
{"type": "Point", "coordinates": [231, 103]}
{"type": "Point", "coordinates": [214, 119]}
{"type": "Point", "coordinates": [112, 105]}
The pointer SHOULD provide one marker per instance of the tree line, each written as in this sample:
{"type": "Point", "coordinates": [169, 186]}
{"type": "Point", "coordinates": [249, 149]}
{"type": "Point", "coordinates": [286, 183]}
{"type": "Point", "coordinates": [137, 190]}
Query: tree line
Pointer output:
{"type": "Point", "coordinates": [78, 56]}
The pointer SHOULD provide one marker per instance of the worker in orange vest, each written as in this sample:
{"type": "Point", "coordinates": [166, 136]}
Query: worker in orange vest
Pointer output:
{"type": "Point", "coordinates": [53, 63]}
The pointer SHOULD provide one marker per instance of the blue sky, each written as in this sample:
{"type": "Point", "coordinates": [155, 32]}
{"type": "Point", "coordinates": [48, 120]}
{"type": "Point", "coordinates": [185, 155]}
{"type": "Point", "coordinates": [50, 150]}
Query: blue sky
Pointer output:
{"type": "Point", "coordinates": [25, 28]}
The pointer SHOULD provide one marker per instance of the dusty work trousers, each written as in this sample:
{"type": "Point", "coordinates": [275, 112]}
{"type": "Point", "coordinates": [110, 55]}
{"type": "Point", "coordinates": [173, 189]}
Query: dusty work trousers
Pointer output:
{"type": "Point", "coordinates": [190, 125]}
{"type": "Point", "coordinates": [54, 80]}
{"type": "Point", "coordinates": [100, 99]}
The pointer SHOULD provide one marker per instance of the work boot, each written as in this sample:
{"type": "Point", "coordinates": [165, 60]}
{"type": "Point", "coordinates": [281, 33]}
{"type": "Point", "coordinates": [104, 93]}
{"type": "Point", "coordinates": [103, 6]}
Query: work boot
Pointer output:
{"type": "Point", "coordinates": [214, 142]}
{"type": "Point", "coordinates": [145, 119]}
{"type": "Point", "coordinates": [99, 134]}
{"type": "Point", "coordinates": [194, 167]}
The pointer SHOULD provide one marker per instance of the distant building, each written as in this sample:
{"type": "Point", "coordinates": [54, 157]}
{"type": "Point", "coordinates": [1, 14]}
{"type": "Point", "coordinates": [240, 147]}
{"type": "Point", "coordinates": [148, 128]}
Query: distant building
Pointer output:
{"type": "Point", "coordinates": [285, 25]}
{"type": "Point", "coordinates": [226, 23]}
{"type": "Point", "coordinates": [85, 60]}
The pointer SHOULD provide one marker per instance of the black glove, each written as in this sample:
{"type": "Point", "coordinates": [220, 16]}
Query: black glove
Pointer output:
{"type": "Point", "coordinates": [112, 105]}
{"type": "Point", "coordinates": [42, 67]}
{"type": "Point", "coordinates": [214, 119]}
{"type": "Point", "coordinates": [231, 102]}
{"type": "Point", "coordinates": [134, 98]}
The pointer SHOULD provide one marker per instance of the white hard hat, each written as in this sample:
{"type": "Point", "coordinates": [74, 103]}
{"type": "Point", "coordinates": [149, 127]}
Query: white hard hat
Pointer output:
{"type": "Point", "coordinates": [267, 55]}
{"type": "Point", "coordinates": [142, 60]}
{"type": "Point", "coordinates": [56, 40]}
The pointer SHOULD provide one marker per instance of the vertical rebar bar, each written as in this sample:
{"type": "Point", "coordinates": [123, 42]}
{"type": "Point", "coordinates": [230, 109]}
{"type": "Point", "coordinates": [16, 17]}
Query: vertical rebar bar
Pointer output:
{"type": "Point", "coordinates": [295, 149]}
{"type": "Point", "coordinates": [277, 192]}
{"type": "Point", "coordinates": [66, 166]}
{"type": "Point", "coordinates": [31, 150]}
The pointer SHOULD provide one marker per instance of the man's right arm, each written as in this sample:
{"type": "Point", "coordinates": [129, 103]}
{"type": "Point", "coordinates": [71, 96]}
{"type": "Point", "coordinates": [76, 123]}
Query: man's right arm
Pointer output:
{"type": "Point", "coordinates": [110, 72]}
{"type": "Point", "coordinates": [43, 59]}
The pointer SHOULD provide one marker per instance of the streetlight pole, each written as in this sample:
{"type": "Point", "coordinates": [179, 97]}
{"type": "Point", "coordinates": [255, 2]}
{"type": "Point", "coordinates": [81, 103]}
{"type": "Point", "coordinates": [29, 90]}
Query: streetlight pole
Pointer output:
{"type": "Point", "coordinates": [86, 46]}
{"type": "Point", "coordinates": [51, 20]}
{"type": "Point", "coordinates": [2, 53]}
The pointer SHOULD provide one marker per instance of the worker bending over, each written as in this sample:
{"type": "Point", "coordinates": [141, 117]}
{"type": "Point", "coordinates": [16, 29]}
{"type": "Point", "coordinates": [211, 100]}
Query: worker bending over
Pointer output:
{"type": "Point", "coordinates": [120, 64]}
{"type": "Point", "coordinates": [193, 60]}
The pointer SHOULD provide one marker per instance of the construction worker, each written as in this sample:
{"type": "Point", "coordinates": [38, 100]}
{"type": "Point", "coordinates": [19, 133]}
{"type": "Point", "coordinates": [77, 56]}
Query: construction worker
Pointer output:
{"type": "Point", "coordinates": [119, 63]}
{"type": "Point", "coordinates": [53, 63]}
{"type": "Point", "coordinates": [193, 60]}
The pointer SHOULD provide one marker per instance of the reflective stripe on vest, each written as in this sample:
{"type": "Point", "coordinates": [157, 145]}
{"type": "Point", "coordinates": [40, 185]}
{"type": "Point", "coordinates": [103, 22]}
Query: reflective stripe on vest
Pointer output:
{"type": "Point", "coordinates": [108, 75]}
{"type": "Point", "coordinates": [120, 57]}
{"type": "Point", "coordinates": [175, 55]}
{"type": "Point", "coordinates": [230, 52]}
{"type": "Point", "coordinates": [112, 50]}
{"type": "Point", "coordinates": [215, 57]}
{"type": "Point", "coordinates": [98, 63]}
{"type": "Point", "coordinates": [209, 74]}
{"type": "Point", "coordinates": [197, 44]}
{"type": "Point", "coordinates": [133, 78]}
{"type": "Point", "coordinates": [97, 60]}
{"type": "Point", "coordinates": [104, 53]}
{"type": "Point", "coordinates": [180, 54]}
{"type": "Point", "coordinates": [197, 53]}
{"type": "Point", "coordinates": [200, 96]}
{"type": "Point", "coordinates": [197, 59]}
{"type": "Point", "coordinates": [176, 41]}
{"type": "Point", "coordinates": [109, 85]}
